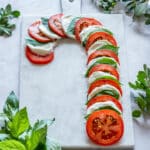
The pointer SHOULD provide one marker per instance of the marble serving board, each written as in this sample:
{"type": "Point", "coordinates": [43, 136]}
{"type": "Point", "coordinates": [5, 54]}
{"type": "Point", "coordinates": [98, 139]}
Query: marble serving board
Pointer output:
{"type": "Point", "coordinates": [59, 89]}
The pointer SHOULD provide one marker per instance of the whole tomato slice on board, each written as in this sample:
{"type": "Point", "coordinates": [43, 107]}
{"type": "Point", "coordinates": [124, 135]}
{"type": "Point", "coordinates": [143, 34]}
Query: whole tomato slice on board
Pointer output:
{"type": "Point", "coordinates": [101, 82]}
{"type": "Point", "coordinates": [105, 127]}
{"type": "Point", "coordinates": [84, 23]}
{"type": "Point", "coordinates": [36, 34]}
{"type": "Point", "coordinates": [104, 68]}
{"type": "Point", "coordinates": [103, 52]}
{"type": "Point", "coordinates": [56, 26]}
{"type": "Point", "coordinates": [37, 59]}
{"type": "Point", "coordinates": [100, 36]}
{"type": "Point", "coordinates": [104, 98]}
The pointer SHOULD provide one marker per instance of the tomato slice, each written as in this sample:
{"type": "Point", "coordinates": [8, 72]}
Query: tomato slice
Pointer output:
{"type": "Point", "coordinates": [100, 36]}
{"type": "Point", "coordinates": [101, 82]}
{"type": "Point", "coordinates": [103, 52]}
{"type": "Point", "coordinates": [56, 26]}
{"type": "Point", "coordinates": [84, 23]}
{"type": "Point", "coordinates": [36, 34]}
{"type": "Point", "coordinates": [104, 68]}
{"type": "Point", "coordinates": [104, 98]}
{"type": "Point", "coordinates": [36, 59]}
{"type": "Point", "coordinates": [105, 127]}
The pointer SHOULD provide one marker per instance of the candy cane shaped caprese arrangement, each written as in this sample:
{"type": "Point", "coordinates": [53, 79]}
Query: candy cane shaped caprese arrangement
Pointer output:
{"type": "Point", "coordinates": [104, 123]}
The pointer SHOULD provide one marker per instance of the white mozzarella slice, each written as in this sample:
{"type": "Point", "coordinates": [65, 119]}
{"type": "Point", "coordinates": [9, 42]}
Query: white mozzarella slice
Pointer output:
{"type": "Point", "coordinates": [101, 88]}
{"type": "Point", "coordinates": [86, 31]}
{"type": "Point", "coordinates": [96, 45]}
{"type": "Point", "coordinates": [98, 74]}
{"type": "Point", "coordinates": [42, 50]}
{"type": "Point", "coordinates": [66, 20]}
{"type": "Point", "coordinates": [100, 105]}
{"type": "Point", "coordinates": [48, 32]}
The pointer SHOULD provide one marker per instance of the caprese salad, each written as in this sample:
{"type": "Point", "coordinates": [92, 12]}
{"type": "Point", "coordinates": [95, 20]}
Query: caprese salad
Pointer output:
{"type": "Point", "coordinates": [104, 122]}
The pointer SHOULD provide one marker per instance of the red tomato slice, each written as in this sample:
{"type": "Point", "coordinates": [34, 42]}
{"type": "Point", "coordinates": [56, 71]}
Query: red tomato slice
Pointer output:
{"type": "Point", "coordinates": [104, 52]}
{"type": "Point", "coordinates": [104, 98]}
{"type": "Point", "coordinates": [36, 34]}
{"type": "Point", "coordinates": [84, 23]}
{"type": "Point", "coordinates": [100, 36]}
{"type": "Point", "coordinates": [101, 82]}
{"type": "Point", "coordinates": [56, 26]}
{"type": "Point", "coordinates": [105, 127]}
{"type": "Point", "coordinates": [104, 68]}
{"type": "Point", "coordinates": [36, 59]}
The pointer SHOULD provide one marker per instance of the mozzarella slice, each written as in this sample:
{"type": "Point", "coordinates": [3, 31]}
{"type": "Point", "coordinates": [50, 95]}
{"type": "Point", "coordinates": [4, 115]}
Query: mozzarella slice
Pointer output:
{"type": "Point", "coordinates": [42, 50]}
{"type": "Point", "coordinates": [65, 21]}
{"type": "Point", "coordinates": [97, 44]}
{"type": "Point", "coordinates": [98, 74]}
{"type": "Point", "coordinates": [86, 31]}
{"type": "Point", "coordinates": [48, 32]}
{"type": "Point", "coordinates": [100, 58]}
{"type": "Point", "coordinates": [101, 88]}
{"type": "Point", "coordinates": [100, 105]}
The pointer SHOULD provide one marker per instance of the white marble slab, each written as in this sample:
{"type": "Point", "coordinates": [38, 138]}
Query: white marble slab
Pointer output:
{"type": "Point", "coordinates": [59, 89]}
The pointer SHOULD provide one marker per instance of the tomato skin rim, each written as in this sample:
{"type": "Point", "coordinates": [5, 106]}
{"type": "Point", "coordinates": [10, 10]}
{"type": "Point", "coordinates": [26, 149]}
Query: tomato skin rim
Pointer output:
{"type": "Point", "coordinates": [101, 82]}
{"type": "Point", "coordinates": [36, 59]}
{"type": "Point", "coordinates": [105, 98]}
{"type": "Point", "coordinates": [105, 68]}
{"type": "Point", "coordinates": [90, 21]}
{"type": "Point", "coordinates": [51, 25]}
{"type": "Point", "coordinates": [96, 35]}
{"type": "Point", "coordinates": [103, 52]}
{"type": "Point", "coordinates": [37, 36]}
{"type": "Point", "coordinates": [109, 112]}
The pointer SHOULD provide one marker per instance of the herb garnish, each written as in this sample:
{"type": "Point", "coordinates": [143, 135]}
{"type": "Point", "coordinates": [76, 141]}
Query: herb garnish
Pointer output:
{"type": "Point", "coordinates": [135, 8]}
{"type": "Point", "coordinates": [142, 84]}
{"type": "Point", "coordinates": [6, 16]}
{"type": "Point", "coordinates": [17, 133]}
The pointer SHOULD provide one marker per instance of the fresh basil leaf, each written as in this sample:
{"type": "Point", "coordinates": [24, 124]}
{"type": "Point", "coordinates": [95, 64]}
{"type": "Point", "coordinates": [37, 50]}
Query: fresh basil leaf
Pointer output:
{"type": "Point", "coordinates": [42, 123]}
{"type": "Point", "coordinates": [140, 9]}
{"type": "Point", "coordinates": [11, 145]}
{"type": "Point", "coordinates": [11, 106]}
{"type": "Point", "coordinates": [37, 136]}
{"type": "Point", "coordinates": [15, 13]}
{"type": "Point", "coordinates": [136, 113]}
{"type": "Point", "coordinates": [33, 42]}
{"type": "Point", "coordinates": [44, 21]}
{"type": "Point", "coordinates": [8, 9]}
{"type": "Point", "coordinates": [6, 15]}
{"type": "Point", "coordinates": [102, 61]}
{"type": "Point", "coordinates": [141, 103]}
{"type": "Point", "coordinates": [19, 124]}
{"type": "Point", "coordinates": [109, 47]}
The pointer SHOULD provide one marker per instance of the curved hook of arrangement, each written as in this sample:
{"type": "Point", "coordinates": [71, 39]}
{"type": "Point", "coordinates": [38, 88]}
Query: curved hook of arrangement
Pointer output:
{"type": "Point", "coordinates": [104, 123]}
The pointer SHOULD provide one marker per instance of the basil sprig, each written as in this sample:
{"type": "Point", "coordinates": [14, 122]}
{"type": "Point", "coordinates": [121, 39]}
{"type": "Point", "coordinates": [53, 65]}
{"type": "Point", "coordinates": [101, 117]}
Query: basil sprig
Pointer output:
{"type": "Point", "coordinates": [17, 133]}
{"type": "Point", "coordinates": [6, 15]}
{"type": "Point", "coordinates": [135, 8]}
{"type": "Point", "coordinates": [142, 85]}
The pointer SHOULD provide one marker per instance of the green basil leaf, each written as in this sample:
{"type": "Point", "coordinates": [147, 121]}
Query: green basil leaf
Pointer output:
{"type": "Point", "coordinates": [140, 9]}
{"type": "Point", "coordinates": [136, 113]}
{"type": "Point", "coordinates": [141, 103]}
{"type": "Point", "coordinates": [8, 9]}
{"type": "Point", "coordinates": [11, 145]}
{"type": "Point", "coordinates": [11, 106]}
{"type": "Point", "coordinates": [19, 124]}
{"type": "Point", "coordinates": [42, 123]}
{"type": "Point", "coordinates": [15, 13]}
{"type": "Point", "coordinates": [37, 136]}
